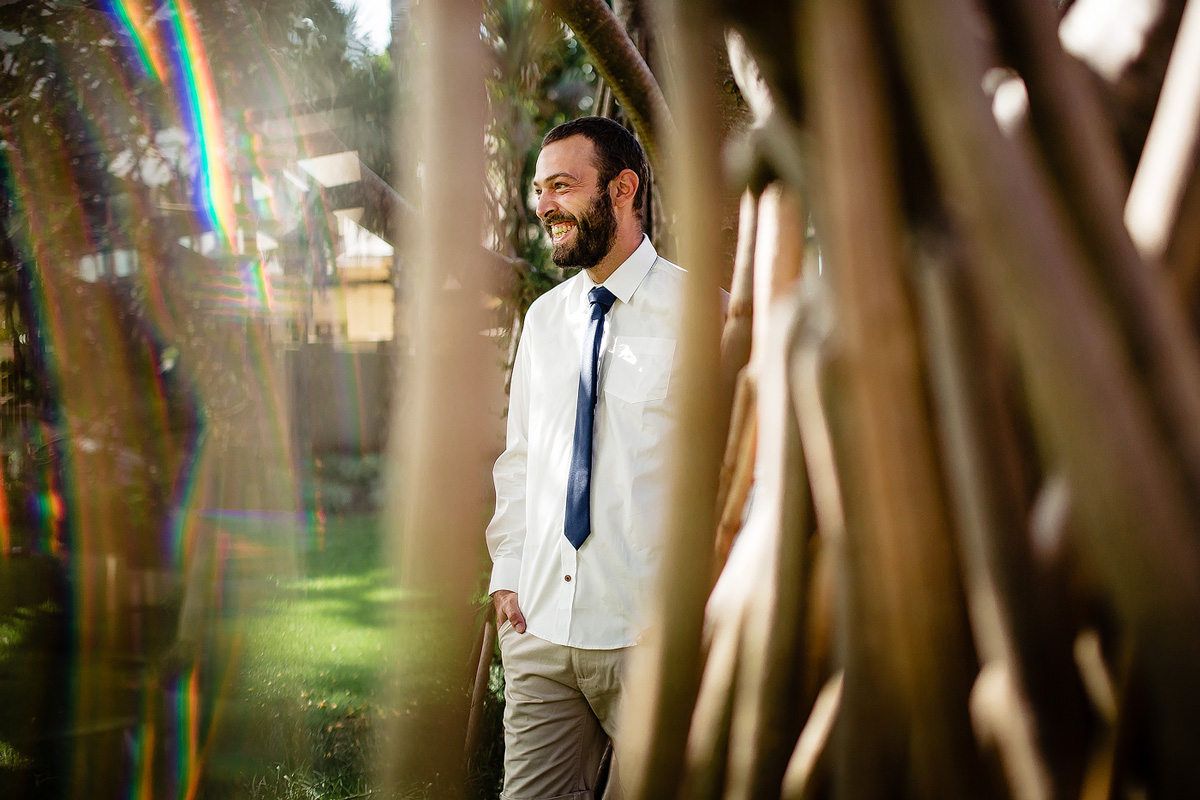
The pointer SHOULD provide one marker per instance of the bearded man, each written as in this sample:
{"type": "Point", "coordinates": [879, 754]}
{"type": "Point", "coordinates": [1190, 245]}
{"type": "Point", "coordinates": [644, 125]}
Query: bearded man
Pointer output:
{"type": "Point", "coordinates": [581, 485]}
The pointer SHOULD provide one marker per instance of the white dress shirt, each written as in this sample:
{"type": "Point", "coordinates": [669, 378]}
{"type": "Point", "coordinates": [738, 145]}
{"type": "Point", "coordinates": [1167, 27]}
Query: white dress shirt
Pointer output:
{"type": "Point", "coordinates": [591, 598]}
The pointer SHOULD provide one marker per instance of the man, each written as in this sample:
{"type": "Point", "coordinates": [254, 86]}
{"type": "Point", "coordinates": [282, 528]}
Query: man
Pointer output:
{"type": "Point", "coordinates": [580, 487]}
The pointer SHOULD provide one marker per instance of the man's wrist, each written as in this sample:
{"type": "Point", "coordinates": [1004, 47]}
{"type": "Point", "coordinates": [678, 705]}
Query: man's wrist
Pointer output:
{"type": "Point", "coordinates": [506, 575]}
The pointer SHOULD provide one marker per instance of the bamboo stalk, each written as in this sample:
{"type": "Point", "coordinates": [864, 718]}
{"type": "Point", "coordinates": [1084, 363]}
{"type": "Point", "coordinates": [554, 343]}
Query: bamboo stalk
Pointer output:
{"type": "Point", "coordinates": [1003, 722]}
{"type": "Point", "coordinates": [806, 369]}
{"type": "Point", "coordinates": [777, 252]}
{"type": "Point", "coordinates": [1163, 208]}
{"type": "Point", "coordinates": [484, 654]}
{"type": "Point", "coordinates": [801, 780]}
{"type": "Point", "coordinates": [769, 682]}
{"type": "Point", "coordinates": [778, 258]}
{"type": "Point", "coordinates": [1169, 158]}
{"type": "Point", "coordinates": [739, 319]}
{"type": "Point", "coordinates": [708, 736]}
{"type": "Point", "coordinates": [1018, 611]}
{"type": "Point", "coordinates": [768, 28]}
{"type": "Point", "coordinates": [774, 139]}
{"type": "Point", "coordinates": [1181, 261]}
{"type": "Point", "coordinates": [737, 469]}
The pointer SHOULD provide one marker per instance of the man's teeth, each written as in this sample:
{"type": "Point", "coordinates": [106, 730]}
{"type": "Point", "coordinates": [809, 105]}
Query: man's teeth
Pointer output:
{"type": "Point", "coordinates": [559, 228]}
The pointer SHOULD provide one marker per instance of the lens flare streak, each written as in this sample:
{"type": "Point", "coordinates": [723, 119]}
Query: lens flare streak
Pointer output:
{"type": "Point", "coordinates": [200, 107]}
{"type": "Point", "coordinates": [134, 20]}
{"type": "Point", "coordinates": [216, 185]}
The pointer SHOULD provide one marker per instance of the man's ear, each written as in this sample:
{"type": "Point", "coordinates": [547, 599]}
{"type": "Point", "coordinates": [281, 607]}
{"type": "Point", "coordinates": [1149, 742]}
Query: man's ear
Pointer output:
{"type": "Point", "coordinates": [624, 187]}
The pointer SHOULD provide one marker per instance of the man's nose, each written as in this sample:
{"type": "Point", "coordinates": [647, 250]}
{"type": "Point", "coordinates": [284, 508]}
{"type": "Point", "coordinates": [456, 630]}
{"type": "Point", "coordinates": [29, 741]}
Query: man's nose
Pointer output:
{"type": "Point", "coordinates": [545, 206]}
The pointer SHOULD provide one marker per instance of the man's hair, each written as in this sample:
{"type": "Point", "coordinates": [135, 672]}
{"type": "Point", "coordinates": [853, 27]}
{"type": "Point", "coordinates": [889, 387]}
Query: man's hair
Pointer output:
{"type": "Point", "coordinates": [616, 150]}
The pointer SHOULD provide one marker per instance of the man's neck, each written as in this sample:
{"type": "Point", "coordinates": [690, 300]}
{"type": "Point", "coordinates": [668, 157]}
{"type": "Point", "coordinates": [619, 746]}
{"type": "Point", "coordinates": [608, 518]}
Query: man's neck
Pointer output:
{"type": "Point", "coordinates": [622, 249]}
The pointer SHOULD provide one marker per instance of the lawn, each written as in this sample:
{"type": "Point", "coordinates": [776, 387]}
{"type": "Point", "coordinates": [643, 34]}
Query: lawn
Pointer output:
{"type": "Point", "coordinates": [312, 654]}
{"type": "Point", "coordinates": [321, 657]}
{"type": "Point", "coordinates": [299, 677]}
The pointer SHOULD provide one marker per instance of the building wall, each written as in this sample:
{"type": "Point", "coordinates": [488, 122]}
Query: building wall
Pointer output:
{"type": "Point", "coordinates": [341, 396]}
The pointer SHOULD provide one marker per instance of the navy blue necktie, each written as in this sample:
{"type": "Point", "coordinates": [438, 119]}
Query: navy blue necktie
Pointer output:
{"type": "Point", "coordinates": [578, 522]}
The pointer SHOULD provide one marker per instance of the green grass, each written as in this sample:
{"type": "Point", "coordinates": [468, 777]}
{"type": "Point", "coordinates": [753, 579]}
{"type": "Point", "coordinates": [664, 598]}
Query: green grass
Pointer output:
{"type": "Point", "coordinates": [325, 661]}
{"type": "Point", "coordinates": [29, 616]}
{"type": "Point", "coordinates": [10, 758]}
{"type": "Point", "coordinates": [324, 640]}
{"type": "Point", "coordinates": [304, 662]}
{"type": "Point", "coordinates": [310, 690]}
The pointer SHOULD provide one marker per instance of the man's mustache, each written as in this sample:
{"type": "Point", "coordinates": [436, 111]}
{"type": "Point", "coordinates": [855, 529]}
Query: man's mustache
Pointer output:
{"type": "Point", "coordinates": [558, 216]}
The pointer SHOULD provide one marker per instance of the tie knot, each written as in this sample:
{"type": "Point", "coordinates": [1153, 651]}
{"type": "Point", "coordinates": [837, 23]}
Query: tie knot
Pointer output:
{"type": "Point", "coordinates": [602, 296]}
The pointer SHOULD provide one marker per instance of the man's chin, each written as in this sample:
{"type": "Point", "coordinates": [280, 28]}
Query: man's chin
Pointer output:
{"type": "Point", "coordinates": [567, 259]}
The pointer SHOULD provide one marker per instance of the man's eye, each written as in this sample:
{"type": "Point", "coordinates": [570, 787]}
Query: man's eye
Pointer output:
{"type": "Point", "coordinates": [560, 186]}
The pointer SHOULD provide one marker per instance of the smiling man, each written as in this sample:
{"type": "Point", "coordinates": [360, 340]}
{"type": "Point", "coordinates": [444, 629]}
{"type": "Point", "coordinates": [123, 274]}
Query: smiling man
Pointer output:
{"type": "Point", "coordinates": [580, 487]}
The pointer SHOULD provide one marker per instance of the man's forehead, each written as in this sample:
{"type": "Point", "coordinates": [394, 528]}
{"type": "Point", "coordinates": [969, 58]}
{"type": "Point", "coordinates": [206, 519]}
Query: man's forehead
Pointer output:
{"type": "Point", "coordinates": [572, 156]}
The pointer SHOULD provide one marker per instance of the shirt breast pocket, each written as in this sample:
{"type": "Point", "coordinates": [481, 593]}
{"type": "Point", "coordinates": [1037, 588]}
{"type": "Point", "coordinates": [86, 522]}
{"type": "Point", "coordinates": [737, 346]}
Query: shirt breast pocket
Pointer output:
{"type": "Point", "coordinates": [640, 368]}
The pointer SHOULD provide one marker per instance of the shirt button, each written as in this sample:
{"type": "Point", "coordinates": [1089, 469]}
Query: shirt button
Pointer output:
{"type": "Point", "coordinates": [567, 578]}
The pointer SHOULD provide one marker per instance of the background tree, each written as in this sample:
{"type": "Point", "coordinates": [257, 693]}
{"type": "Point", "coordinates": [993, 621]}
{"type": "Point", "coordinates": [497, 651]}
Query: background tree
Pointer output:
{"type": "Point", "coordinates": [538, 78]}
{"type": "Point", "coordinates": [139, 399]}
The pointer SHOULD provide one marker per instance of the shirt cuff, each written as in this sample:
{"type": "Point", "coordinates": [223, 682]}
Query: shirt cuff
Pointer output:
{"type": "Point", "coordinates": [506, 574]}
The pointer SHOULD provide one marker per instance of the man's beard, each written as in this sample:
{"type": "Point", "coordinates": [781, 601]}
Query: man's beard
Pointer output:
{"type": "Point", "coordinates": [595, 232]}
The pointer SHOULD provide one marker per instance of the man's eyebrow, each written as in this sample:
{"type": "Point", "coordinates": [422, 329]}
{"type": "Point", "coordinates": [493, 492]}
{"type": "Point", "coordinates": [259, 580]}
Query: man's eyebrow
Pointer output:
{"type": "Point", "coordinates": [548, 178]}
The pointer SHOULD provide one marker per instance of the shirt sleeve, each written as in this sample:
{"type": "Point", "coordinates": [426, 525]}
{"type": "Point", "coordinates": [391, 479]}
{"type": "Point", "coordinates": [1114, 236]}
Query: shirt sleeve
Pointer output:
{"type": "Point", "coordinates": [506, 531]}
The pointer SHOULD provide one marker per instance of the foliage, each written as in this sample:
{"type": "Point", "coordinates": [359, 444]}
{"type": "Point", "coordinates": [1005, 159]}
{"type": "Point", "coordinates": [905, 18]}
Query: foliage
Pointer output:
{"type": "Point", "coordinates": [349, 484]}
{"type": "Point", "coordinates": [305, 700]}
{"type": "Point", "coordinates": [539, 77]}
{"type": "Point", "coordinates": [371, 91]}
{"type": "Point", "coordinates": [99, 157]}
{"type": "Point", "coordinates": [108, 380]}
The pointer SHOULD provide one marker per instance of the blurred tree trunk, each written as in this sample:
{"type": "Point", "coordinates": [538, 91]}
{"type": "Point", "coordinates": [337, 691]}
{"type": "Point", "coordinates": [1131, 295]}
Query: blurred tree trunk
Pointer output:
{"type": "Point", "coordinates": [445, 422]}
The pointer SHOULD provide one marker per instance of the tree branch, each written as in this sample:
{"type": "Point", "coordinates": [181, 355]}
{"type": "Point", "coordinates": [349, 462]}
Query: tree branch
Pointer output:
{"type": "Point", "coordinates": [1082, 161]}
{"type": "Point", "coordinates": [902, 623]}
{"type": "Point", "coordinates": [621, 65]}
{"type": "Point", "coordinates": [1088, 409]}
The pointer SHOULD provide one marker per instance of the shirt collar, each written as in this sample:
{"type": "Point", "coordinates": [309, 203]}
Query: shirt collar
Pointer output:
{"type": "Point", "coordinates": [628, 277]}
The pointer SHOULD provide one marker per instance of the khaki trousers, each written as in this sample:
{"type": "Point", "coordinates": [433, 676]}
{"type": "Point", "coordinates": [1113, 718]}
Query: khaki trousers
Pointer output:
{"type": "Point", "coordinates": [560, 709]}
